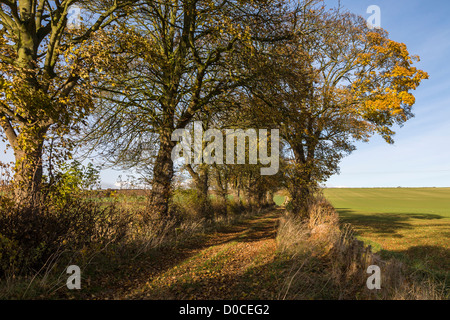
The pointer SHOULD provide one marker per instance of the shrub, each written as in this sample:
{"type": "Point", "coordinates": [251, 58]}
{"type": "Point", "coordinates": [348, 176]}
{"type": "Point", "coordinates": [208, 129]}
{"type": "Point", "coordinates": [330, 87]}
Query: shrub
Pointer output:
{"type": "Point", "coordinates": [71, 179]}
{"type": "Point", "coordinates": [185, 204]}
{"type": "Point", "coordinates": [29, 236]}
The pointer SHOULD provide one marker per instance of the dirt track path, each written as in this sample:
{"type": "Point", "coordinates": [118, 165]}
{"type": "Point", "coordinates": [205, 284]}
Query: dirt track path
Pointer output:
{"type": "Point", "coordinates": [235, 263]}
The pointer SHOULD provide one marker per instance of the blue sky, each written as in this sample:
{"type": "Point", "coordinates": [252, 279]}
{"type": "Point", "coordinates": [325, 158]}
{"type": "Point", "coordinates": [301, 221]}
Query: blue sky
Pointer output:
{"type": "Point", "coordinates": [420, 156]}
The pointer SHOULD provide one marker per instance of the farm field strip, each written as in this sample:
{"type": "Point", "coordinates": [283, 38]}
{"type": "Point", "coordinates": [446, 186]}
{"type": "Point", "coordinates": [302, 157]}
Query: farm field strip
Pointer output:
{"type": "Point", "coordinates": [410, 223]}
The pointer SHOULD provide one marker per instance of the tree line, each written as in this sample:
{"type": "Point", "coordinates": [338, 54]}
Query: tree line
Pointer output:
{"type": "Point", "coordinates": [133, 72]}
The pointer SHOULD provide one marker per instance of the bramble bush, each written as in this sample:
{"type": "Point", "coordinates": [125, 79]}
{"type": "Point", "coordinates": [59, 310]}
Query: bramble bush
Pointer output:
{"type": "Point", "coordinates": [66, 220]}
{"type": "Point", "coordinates": [29, 236]}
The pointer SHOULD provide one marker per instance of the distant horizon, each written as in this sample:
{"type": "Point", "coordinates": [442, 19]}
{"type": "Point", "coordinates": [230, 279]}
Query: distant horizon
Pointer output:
{"type": "Point", "coordinates": [399, 187]}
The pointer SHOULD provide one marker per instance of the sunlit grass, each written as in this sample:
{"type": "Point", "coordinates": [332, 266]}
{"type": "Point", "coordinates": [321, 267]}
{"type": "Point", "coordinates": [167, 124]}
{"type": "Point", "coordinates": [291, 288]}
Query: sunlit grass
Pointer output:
{"type": "Point", "coordinates": [412, 224]}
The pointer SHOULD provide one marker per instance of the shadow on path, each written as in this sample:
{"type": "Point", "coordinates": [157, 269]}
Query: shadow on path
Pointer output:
{"type": "Point", "coordinates": [222, 266]}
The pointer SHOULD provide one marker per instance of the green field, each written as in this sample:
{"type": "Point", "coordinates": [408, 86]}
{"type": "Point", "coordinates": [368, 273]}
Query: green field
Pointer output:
{"type": "Point", "coordinates": [412, 224]}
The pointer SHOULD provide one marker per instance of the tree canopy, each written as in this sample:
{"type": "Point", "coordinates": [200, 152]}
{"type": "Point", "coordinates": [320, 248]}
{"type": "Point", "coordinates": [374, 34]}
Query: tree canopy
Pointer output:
{"type": "Point", "coordinates": [133, 72]}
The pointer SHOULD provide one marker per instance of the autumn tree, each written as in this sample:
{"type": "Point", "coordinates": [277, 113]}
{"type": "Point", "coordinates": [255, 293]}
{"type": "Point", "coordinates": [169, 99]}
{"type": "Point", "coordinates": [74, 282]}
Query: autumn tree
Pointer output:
{"type": "Point", "coordinates": [200, 173]}
{"type": "Point", "coordinates": [342, 82]}
{"type": "Point", "coordinates": [184, 55]}
{"type": "Point", "coordinates": [44, 77]}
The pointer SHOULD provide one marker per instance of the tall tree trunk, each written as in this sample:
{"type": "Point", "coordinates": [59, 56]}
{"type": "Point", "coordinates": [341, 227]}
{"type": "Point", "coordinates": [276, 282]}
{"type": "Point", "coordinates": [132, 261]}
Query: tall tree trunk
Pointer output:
{"type": "Point", "coordinates": [301, 191]}
{"type": "Point", "coordinates": [28, 148]}
{"type": "Point", "coordinates": [222, 190]}
{"type": "Point", "coordinates": [201, 180]}
{"type": "Point", "coordinates": [301, 185]}
{"type": "Point", "coordinates": [250, 197]}
{"type": "Point", "coordinates": [162, 177]}
{"type": "Point", "coordinates": [28, 177]}
{"type": "Point", "coordinates": [205, 206]}
{"type": "Point", "coordinates": [269, 198]}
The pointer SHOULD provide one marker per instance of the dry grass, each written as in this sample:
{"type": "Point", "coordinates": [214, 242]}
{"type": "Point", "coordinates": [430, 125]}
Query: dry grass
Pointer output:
{"type": "Point", "coordinates": [141, 236]}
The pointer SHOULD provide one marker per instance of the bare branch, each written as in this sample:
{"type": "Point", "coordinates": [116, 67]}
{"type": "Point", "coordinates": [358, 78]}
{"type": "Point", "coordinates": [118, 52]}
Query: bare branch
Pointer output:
{"type": "Point", "coordinates": [11, 135]}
